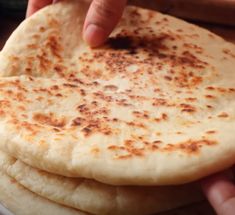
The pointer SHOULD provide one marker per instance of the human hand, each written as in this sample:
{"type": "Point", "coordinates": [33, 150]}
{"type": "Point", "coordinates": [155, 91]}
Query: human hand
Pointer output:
{"type": "Point", "coordinates": [102, 17]}
{"type": "Point", "coordinates": [220, 191]}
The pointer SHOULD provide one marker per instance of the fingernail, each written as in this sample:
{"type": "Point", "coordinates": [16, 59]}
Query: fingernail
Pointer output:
{"type": "Point", "coordinates": [94, 35]}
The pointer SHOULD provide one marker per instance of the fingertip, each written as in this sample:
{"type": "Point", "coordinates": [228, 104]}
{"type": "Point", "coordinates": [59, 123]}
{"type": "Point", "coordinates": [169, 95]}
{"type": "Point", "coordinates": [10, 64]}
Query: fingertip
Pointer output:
{"type": "Point", "coordinates": [210, 181]}
{"type": "Point", "coordinates": [220, 191]}
{"type": "Point", "coordinates": [29, 11]}
{"type": "Point", "coordinates": [101, 19]}
{"type": "Point", "coordinates": [35, 5]}
{"type": "Point", "coordinates": [94, 35]}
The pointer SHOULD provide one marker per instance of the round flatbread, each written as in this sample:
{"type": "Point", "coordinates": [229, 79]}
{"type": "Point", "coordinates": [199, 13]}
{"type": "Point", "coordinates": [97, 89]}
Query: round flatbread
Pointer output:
{"type": "Point", "coordinates": [154, 106]}
{"type": "Point", "coordinates": [97, 198]}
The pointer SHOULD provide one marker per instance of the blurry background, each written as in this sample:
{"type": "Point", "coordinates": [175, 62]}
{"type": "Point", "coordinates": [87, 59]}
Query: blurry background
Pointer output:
{"type": "Point", "coordinates": [12, 12]}
{"type": "Point", "coordinates": [212, 11]}
{"type": "Point", "coordinates": [14, 8]}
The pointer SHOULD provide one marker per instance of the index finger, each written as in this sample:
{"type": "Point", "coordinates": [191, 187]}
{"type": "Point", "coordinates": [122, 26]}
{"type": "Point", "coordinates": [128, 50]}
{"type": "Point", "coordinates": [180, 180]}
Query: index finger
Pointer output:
{"type": "Point", "coordinates": [220, 191]}
{"type": "Point", "coordinates": [35, 5]}
{"type": "Point", "coordinates": [102, 17]}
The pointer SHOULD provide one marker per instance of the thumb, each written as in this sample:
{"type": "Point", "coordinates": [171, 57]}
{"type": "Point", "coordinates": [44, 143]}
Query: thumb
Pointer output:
{"type": "Point", "coordinates": [102, 17]}
{"type": "Point", "coordinates": [220, 191]}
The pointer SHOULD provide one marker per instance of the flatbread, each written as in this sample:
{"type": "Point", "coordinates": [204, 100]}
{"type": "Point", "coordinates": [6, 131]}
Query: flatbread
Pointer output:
{"type": "Point", "coordinates": [97, 198]}
{"type": "Point", "coordinates": [154, 106]}
{"type": "Point", "coordinates": [23, 202]}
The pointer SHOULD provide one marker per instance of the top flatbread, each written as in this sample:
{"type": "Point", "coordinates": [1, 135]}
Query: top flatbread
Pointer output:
{"type": "Point", "coordinates": [154, 106]}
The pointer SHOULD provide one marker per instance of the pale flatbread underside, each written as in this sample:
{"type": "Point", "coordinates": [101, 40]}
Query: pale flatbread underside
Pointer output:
{"type": "Point", "coordinates": [95, 197]}
{"type": "Point", "coordinates": [21, 201]}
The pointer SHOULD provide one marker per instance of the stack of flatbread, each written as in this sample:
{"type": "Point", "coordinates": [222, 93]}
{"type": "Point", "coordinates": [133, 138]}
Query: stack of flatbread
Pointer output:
{"type": "Point", "coordinates": [124, 129]}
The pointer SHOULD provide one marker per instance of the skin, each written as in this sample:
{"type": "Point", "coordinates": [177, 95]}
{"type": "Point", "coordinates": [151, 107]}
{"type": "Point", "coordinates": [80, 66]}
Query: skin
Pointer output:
{"type": "Point", "coordinates": [102, 17]}
{"type": "Point", "coordinates": [220, 191]}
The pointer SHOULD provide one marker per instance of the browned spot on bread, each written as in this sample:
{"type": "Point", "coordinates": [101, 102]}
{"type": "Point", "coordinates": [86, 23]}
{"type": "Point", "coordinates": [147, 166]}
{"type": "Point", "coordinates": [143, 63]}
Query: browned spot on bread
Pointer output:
{"type": "Point", "coordinates": [55, 87]}
{"type": "Point", "coordinates": [53, 23]}
{"type": "Point", "coordinates": [189, 147]}
{"type": "Point", "coordinates": [2, 113]}
{"type": "Point", "coordinates": [210, 88]}
{"type": "Point", "coordinates": [229, 53]}
{"type": "Point", "coordinates": [123, 157]}
{"type": "Point", "coordinates": [13, 181]}
{"type": "Point", "coordinates": [210, 97]}
{"type": "Point", "coordinates": [136, 124]}
{"type": "Point", "coordinates": [195, 47]}
{"type": "Point", "coordinates": [5, 104]}
{"type": "Point", "coordinates": [87, 131]}
{"type": "Point", "coordinates": [32, 46]}
{"type": "Point", "coordinates": [31, 127]}
{"type": "Point", "coordinates": [54, 45]}
{"type": "Point", "coordinates": [36, 36]}
{"type": "Point", "coordinates": [144, 115]}
{"type": "Point", "coordinates": [56, 129]}
{"type": "Point", "coordinates": [111, 87]}
{"type": "Point", "coordinates": [95, 150]}
{"type": "Point", "coordinates": [91, 125]}
{"type": "Point", "coordinates": [60, 69]}
{"type": "Point", "coordinates": [20, 97]}
{"type": "Point", "coordinates": [191, 60]}
{"type": "Point", "coordinates": [123, 102]}
{"type": "Point", "coordinates": [160, 102]}
{"type": "Point", "coordinates": [70, 85]}
{"type": "Point", "coordinates": [164, 116]}
{"type": "Point", "coordinates": [78, 121]}
{"type": "Point", "coordinates": [43, 60]}
{"type": "Point", "coordinates": [49, 119]}
{"type": "Point", "coordinates": [82, 92]}
{"type": "Point", "coordinates": [211, 132]}
{"type": "Point", "coordinates": [187, 108]}
{"type": "Point", "coordinates": [222, 89]}
{"type": "Point", "coordinates": [58, 95]}
{"type": "Point", "coordinates": [102, 96]}
{"type": "Point", "coordinates": [42, 29]}
{"type": "Point", "coordinates": [157, 142]}
{"type": "Point", "coordinates": [159, 133]}
{"type": "Point", "coordinates": [168, 78]}
{"type": "Point", "coordinates": [190, 99]}
{"type": "Point", "coordinates": [223, 115]}
{"type": "Point", "coordinates": [22, 108]}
